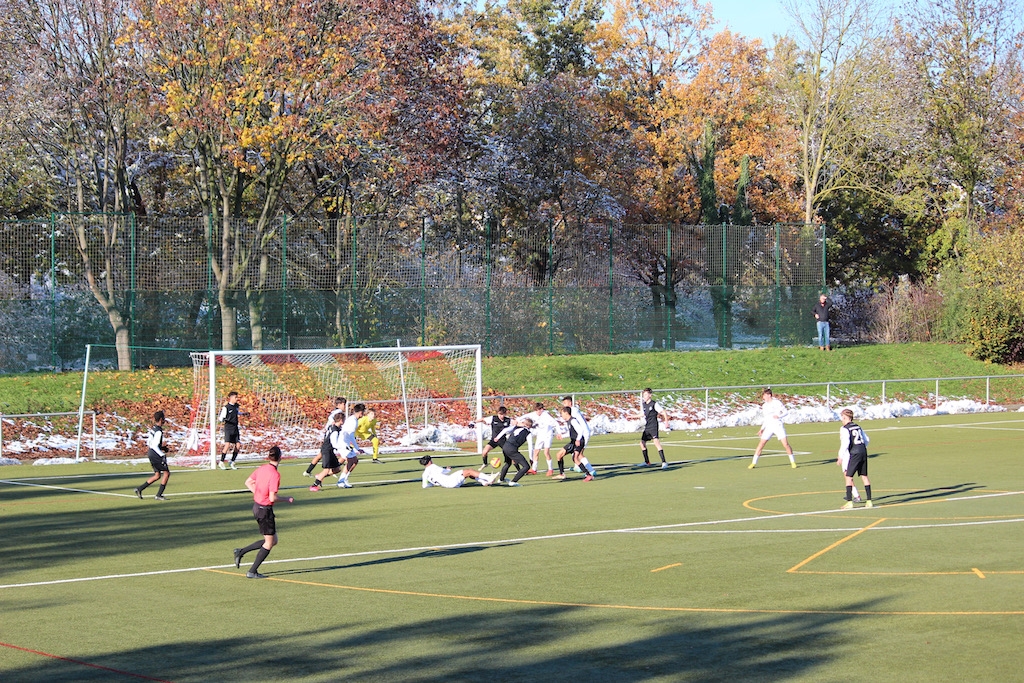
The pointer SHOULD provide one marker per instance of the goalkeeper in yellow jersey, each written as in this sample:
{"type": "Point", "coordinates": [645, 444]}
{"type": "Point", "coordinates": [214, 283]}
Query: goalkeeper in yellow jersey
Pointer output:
{"type": "Point", "coordinates": [367, 431]}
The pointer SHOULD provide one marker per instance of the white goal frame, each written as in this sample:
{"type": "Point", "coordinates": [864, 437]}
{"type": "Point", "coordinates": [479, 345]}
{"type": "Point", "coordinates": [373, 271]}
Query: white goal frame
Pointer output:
{"type": "Point", "coordinates": [400, 351]}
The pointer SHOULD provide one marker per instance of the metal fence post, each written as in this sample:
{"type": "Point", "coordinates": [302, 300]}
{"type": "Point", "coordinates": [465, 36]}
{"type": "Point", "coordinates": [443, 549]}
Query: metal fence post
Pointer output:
{"type": "Point", "coordinates": [133, 284]}
{"type": "Point", "coordinates": [778, 280]}
{"type": "Point", "coordinates": [986, 390]}
{"type": "Point", "coordinates": [488, 226]}
{"type": "Point", "coordinates": [551, 286]}
{"type": "Point", "coordinates": [423, 284]}
{"type": "Point", "coordinates": [883, 392]}
{"type": "Point", "coordinates": [611, 287]}
{"type": "Point", "coordinates": [936, 394]}
{"type": "Point", "coordinates": [284, 281]}
{"type": "Point", "coordinates": [670, 343]}
{"type": "Point", "coordinates": [352, 312]}
{"type": "Point", "coordinates": [53, 292]}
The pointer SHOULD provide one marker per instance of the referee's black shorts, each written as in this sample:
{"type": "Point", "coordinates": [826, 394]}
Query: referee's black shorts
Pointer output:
{"type": "Point", "coordinates": [230, 433]}
{"type": "Point", "coordinates": [264, 515]}
{"type": "Point", "coordinates": [649, 434]}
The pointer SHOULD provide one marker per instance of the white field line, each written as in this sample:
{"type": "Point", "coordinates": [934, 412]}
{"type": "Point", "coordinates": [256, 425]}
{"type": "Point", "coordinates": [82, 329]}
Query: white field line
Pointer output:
{"type": "Point", "coordinates": [826, 530]}
{"type": "Point", "coordinates": [66, 488]}
{"type": "Point", "coordinates": [505, 541]}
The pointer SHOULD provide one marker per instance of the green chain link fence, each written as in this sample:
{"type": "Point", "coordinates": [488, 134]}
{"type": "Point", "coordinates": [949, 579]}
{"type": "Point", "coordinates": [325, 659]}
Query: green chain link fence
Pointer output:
{"type": "Point", "coordinates": [170, 283]}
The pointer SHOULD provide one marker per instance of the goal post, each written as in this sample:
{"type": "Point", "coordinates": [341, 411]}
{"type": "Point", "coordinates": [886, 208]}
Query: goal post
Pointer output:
{"type": "Point", "coordinates": [288, 391]}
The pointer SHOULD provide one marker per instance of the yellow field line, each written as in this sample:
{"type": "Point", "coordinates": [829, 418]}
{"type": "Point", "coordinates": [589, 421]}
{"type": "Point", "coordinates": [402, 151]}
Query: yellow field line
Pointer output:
{"type": "Point", "coordinates": [667, 566]}
{"type": "Point", "coordinates": [978, 572]}
{"type": "Point", "coordinates": [835, 545]}
{"type": "Point", "coordinates": [638, 608]}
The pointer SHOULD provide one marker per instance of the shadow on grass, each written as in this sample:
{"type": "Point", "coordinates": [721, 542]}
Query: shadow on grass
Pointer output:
{"type": "Point", "coordinates": [929, 494]}
{"type": "Point", "coordinates": [505, 642]}
{"type": "Point", "coordinates": [440, 552]}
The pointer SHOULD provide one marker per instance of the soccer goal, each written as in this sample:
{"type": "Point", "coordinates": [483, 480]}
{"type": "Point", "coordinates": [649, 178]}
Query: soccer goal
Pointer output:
{"type": "Point", "coordinates": [417, 391]}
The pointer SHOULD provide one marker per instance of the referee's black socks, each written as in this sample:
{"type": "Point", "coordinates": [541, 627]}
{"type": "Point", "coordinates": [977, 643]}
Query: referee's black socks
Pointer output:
{"type": "Point", "coordinates": [260, 556]}
{"type": "Point", "coordinates": [647, 461]}
{"type": "Point", "coordinates": [849, 493]}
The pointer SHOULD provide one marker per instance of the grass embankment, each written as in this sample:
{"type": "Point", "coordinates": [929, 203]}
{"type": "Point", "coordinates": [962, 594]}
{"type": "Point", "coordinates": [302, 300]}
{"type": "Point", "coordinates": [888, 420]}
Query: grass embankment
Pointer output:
{"type": "Point", "coordinates": [135, 392]}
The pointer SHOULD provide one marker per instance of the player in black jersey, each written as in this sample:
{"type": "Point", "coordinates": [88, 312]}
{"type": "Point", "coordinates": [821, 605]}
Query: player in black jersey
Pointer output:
{"type": "Point", "coordinates": [512, 439]}
{"type": "Point", "coordinates": [853, 446]}
{"type": "Point", "coordinates": [340, 406]}
{"type": "Point", "coordinates": [499, 423]}
{"type": "Point", "coordinates": [652, 411]}
{"type": "Point", "coordinates": [229, 416]}
{"type": "Point", "coordinates": [157, 457]}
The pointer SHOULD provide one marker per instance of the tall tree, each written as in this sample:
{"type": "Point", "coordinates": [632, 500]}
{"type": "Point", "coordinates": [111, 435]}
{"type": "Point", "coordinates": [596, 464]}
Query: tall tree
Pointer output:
{"type": "Point", "coordinates": [80, 111]}
{"type": "Point", "coordinates": [824, 73]}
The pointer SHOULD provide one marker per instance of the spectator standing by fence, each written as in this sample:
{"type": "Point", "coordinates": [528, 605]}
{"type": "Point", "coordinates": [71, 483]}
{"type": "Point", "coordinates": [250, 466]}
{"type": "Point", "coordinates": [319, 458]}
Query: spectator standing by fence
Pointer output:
{"type": "Point", "coordinates": [822, 311]}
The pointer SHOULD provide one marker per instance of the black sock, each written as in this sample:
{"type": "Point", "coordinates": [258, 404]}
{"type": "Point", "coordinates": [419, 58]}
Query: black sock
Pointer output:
{"type": "Point", "coordinates": [234, 454]}
{"type": "Point", "coordinates": [144, 485]}
{"type": "Point", "coordinates": [161, 491]}
{"type": "Point", "coordinates": [309, 470]}
{"type": "Point", "coordinates": [646, 459]}
{"type": "Point", "coordinates": [867, 491]}
{"type": "Point", "coordinates": [561, 466]}
{"type": "Point", "coordinates": [661, 454]}
{"type": "Point", "coordinates": [260, 556]}
{"type": "Point", "coordinates": [849, 493]}
{"type": "Point", "coordinates": [255, 545]}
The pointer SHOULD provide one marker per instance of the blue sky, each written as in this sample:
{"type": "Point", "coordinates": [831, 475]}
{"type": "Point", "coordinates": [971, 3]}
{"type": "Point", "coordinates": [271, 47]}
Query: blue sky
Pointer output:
{"type": "Point", "coordinates": [752, 18]}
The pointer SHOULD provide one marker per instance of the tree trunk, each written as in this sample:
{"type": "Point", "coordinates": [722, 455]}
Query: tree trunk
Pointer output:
{"type": "Point", "coordinates": [256, 300]}
{"type": "Point", "coordinates": [228, 320]}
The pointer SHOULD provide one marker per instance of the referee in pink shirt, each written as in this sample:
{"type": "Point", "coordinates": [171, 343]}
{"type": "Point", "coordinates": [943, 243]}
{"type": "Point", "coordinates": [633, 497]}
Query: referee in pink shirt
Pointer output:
{"type": "Point", "coordinates": [263, 483]}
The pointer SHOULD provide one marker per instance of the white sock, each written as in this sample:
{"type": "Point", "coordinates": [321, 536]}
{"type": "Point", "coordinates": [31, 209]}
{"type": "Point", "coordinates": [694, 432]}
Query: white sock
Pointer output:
{"type": "Point", "coordinates": [533, 464]}
{"type": "Point", "coordinates": [586, 464]}
{"type": "Point", "coordinates": [549, 464]}
{"type": "Point", "coordinates": [856, 494]}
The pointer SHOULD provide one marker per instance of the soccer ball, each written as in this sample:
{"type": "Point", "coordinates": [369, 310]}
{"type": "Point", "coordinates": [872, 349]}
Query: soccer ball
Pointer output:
{"type": "Point", "coordinates": [495, 462]}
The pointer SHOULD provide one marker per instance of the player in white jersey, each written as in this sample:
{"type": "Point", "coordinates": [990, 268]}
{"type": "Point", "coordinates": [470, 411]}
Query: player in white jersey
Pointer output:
{"type": "Point", "coordinates": [544, 428]}
{"type": "Point", "coordinates": [773, 412]}
{"type": "Point", "coordinates": [350, 446]}
{"type": "Point", "coordinates": [577, 442]}
{"type": "Point", "coordinates": [340, 406]}
{"type": "Point", "coordinates": [435, 475]}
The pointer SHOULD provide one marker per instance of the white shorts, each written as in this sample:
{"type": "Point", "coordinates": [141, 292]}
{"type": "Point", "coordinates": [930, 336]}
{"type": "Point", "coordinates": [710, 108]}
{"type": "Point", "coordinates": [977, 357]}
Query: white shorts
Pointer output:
{"type": "Point", "coordinates": [451, 481]}
{"type": "Point", "coordinates": [773, 428]}
{"type": "Point", "coordinates": [543, 440]}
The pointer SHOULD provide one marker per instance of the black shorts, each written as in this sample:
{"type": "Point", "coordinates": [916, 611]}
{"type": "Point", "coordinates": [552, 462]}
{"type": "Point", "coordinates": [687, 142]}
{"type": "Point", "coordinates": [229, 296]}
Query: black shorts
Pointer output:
{"type": "Point", "coordinates": [571, 447]}
{"type": "Point", "coordinates": [649, 434]}
{"type": "Point", "coordinates": [329, 460]}
{"type": "Point", "coordinates": [230, 433]}
{"type": "Point", "coordinates": [159, 462]}
{"type": "Point", "coordinates": [858, 465]}
{"type": "Point", "coordinates": [497, 444]}
{"type": "Point", "coordinates": [264, 515]}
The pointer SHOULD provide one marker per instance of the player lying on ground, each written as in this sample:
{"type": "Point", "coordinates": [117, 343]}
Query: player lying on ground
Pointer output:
{"type": "Point", "coordinates": [435, 475]}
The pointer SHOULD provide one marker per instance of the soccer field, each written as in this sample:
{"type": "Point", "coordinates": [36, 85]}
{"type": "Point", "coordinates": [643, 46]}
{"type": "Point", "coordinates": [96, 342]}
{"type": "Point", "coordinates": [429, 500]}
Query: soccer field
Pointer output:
{"type": "Point", "coordinates": [705, 571]}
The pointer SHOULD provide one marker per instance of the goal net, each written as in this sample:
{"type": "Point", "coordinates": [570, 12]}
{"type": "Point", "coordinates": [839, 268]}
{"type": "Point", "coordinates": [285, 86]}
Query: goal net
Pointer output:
{"type": "Point", "coordinates": [424, 396]}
